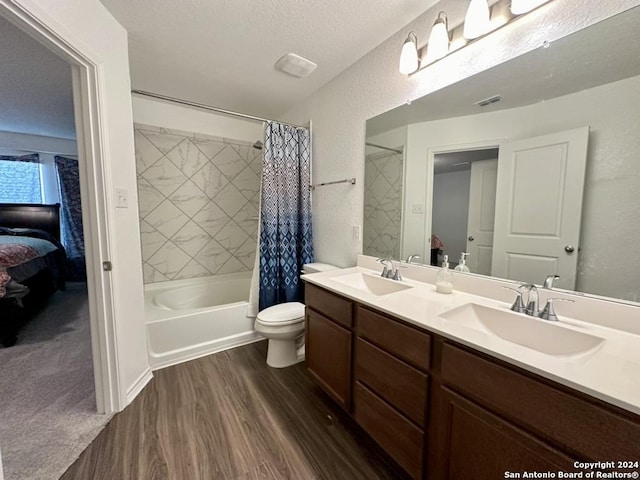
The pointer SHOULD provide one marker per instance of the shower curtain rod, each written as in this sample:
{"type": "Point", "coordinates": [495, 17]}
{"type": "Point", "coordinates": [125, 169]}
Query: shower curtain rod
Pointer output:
{"type": "Point", "coordinates": [396, 150]}
{"type": "Point", "coordinates": [209, 107]}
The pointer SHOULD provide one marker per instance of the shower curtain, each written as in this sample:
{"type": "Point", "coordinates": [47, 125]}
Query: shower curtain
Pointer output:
{"type": "Point", "coordinates": [285, 240]}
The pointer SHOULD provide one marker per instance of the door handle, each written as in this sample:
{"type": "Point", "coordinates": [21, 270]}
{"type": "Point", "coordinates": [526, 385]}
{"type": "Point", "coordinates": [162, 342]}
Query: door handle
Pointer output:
{"type": "Point", "coordinates": [569, 248]}
{"type": "Point", "coordinates": [471, 239]}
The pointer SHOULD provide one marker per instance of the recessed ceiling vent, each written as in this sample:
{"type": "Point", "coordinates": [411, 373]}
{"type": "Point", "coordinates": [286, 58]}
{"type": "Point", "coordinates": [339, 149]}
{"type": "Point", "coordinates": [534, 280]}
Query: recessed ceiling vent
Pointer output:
{"type": "Point", "coordinates": [489, 101]}
{"type": "Point", "coordinates": [295, 65]}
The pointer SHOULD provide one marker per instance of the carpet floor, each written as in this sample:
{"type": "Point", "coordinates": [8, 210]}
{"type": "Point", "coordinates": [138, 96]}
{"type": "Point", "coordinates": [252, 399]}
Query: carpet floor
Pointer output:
{"type": "Point", "coordinates": [47, 397]}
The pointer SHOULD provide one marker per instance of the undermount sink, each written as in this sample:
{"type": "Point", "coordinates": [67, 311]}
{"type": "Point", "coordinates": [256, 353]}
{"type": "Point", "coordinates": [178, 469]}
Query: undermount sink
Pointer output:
{"type": "Point", "coordinates": [534, 333]}
{"type": "Point", "coordinates": [371, 283]}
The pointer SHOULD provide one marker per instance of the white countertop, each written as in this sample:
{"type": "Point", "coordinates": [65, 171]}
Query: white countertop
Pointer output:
{"type": "Point", "coordinates": [610, 372]}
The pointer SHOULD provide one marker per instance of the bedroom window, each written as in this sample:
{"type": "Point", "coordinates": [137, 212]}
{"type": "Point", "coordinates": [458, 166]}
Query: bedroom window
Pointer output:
{"type": "Point", "coordinates": [20, 179]}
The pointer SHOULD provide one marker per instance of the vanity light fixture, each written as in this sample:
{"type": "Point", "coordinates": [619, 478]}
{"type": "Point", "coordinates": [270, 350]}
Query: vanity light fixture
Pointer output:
{"type": "Point", "coordinates": [438, 45]}
{"type": "Point", "coordinates": [518, 7]}
{"type": "Point", "coordinates": [409, 57]}
{"type": "Point", "coordinates": [480, 20]}
{"type": "Point", "coordinates": [477, 21]}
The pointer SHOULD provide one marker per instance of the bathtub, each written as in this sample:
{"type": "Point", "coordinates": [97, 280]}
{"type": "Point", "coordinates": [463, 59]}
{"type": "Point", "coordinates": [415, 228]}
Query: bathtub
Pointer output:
{"type": "Point", "coordinates": [187, 319]}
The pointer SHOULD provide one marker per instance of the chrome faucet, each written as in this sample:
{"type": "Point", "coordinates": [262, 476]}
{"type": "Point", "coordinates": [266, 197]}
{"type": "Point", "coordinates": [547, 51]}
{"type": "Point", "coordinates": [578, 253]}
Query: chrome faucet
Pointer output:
{"type": "Point", "coordinates": [387, 270]}
{"type": "Point", "coordinates": [412, 257]}
{"type": "Point", "coordinates": [548, 312]}
{"type": "Point", "coordinates": [518, 305]}
{"type": "Point", "coordinates": [532, 299]}
{"type": "Point", "coordinates": [396, 273]}
{"type": "Point", "coordinates": [550, 281]}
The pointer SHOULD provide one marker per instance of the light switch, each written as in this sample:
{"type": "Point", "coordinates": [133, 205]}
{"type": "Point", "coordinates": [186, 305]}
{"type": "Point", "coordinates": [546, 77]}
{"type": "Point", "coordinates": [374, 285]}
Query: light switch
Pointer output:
{"type": "Point", "coordinates": [122, 198]}
{"type": "Point", "coordinates": [356, 232]}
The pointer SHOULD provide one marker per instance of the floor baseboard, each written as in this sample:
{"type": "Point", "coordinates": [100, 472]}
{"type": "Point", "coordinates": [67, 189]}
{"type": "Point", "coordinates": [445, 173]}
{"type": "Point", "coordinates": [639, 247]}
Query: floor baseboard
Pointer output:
{"type": "Point", "coordinates": [186, 355]}
{"type": "Point", "coordinates": [139, 384]}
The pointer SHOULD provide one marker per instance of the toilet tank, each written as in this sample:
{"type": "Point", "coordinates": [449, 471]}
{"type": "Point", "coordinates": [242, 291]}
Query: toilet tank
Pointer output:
{"type": "Point", "coordinates": [318, 267]}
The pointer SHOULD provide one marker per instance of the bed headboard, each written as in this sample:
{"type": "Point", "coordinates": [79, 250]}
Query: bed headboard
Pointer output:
{"type": "Point", "coordinates": [31, 215]}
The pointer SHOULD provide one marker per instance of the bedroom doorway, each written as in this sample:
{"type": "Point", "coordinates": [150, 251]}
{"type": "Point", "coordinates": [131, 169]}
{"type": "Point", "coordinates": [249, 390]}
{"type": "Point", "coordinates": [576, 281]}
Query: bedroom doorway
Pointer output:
{"type": "Point", "coordinates": [87, 85]}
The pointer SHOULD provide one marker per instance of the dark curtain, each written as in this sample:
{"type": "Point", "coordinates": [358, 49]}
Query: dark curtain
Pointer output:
{"type": "Point", "coordinates": [71, 217]}
{"type": "Point", "coordinates": [285, 213]}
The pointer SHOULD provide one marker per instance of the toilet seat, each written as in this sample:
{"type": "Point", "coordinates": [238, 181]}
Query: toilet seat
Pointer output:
{"type": "Point", "coordinates": [282, 314]}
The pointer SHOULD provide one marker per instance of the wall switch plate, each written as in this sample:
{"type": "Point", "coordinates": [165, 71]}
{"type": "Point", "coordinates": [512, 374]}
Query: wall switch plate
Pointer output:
{"type": "Point", "coordinates": [122, 198]}
{"type": "Point", "coordinates": [417, 208]}
{"type": "Point", "coordinates": [356, 232]}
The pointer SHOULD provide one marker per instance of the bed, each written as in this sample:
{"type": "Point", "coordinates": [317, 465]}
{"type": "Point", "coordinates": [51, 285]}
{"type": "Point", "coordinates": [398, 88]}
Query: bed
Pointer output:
{"type": "Point", "coordinates": [32, 263]}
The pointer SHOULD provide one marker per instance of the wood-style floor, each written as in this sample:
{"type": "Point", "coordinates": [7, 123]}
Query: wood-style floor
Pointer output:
{"type": "Point", "coordinates": [229, 416]}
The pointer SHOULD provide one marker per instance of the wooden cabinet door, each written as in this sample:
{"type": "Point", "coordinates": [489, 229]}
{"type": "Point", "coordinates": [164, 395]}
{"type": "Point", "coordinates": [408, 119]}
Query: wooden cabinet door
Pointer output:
{"type": "Point", "coordinates": [328, 356]}
{"type": "Point", "coordinates": [479, 445]}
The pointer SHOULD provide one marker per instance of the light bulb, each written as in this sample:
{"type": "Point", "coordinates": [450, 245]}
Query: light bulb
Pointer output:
{"type": "Point", "coordinates": [438, 45]}
{"type": "Point", "coordinates": [409, 55]}
{"type": "Point", "coordinates": [477, 20]}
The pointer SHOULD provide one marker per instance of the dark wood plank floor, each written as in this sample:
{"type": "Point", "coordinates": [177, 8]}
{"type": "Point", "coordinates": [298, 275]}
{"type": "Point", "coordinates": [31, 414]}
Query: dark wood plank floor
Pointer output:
{"type": "Point", "coordinates": [229, 416]}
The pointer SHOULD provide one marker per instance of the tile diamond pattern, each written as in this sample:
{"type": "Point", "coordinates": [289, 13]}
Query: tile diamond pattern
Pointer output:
{"type": "Point", "coordinates": [164, 176]}
{"type": "Point", "coordinates": [187, 157]}
{"type": "Point", "coordinates": [382, 205]}
{"type": "Point", "coordinates": [198, 210]}
{"type": "Point", "coordinates": [189, 198]}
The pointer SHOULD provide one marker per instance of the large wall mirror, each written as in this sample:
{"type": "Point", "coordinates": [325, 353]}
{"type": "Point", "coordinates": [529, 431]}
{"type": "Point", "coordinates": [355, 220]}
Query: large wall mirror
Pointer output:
{"type": "Point", "coordinates": [532, 167]}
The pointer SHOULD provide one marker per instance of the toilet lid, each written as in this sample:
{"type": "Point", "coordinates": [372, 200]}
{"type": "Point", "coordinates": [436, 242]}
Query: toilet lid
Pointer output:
{"type": "Point", "coordinates": [283, 313]}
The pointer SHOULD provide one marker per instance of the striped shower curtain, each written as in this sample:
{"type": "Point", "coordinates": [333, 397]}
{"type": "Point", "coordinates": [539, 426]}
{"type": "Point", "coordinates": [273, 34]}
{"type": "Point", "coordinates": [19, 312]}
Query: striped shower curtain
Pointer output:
{"type": "Point", "coordinates": [285, 213]}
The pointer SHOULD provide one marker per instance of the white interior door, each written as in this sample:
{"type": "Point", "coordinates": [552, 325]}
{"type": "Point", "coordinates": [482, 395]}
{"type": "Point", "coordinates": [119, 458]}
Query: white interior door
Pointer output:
{"type": "Point", "coordinates": [482, 208]}
{"type": "Point", "coordinates": [539, 207]}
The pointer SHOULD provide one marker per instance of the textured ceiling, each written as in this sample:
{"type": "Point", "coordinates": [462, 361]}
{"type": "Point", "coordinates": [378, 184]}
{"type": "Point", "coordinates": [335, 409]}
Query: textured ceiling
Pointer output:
{"type": "Point", "coordinates": [35, 87]}
{"type": "Point", "coordinates": [223, 52]}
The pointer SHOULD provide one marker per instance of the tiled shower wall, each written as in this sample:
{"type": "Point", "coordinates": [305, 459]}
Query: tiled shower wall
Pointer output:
{"type": "Point", "coordinates": [383, 205]}
{"type": "Point", "coordinates": [198, 201]}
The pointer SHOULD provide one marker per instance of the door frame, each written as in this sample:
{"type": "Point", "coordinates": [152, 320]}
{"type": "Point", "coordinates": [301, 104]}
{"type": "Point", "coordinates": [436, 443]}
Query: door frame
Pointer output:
{"type": "Point", "coordinates": [432, 151]}
{"type": "Point", "coordinates": [88, 86]}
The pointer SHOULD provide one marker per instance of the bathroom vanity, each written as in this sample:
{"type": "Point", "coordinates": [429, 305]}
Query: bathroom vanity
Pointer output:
{"type": "Point", "coordinates": [450, 401]}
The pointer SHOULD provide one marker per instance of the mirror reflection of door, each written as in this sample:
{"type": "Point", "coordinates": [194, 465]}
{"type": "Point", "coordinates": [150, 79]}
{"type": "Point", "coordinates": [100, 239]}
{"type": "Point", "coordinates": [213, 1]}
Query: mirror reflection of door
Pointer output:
{"type": "Point", "coordinates": [463, 205]}
{"type": "Point", "coordinates": [539, 207]}
{"type": "Point", "coordinates": [482, 209]}
{"type": "Point", "coordinates": [519, 216]}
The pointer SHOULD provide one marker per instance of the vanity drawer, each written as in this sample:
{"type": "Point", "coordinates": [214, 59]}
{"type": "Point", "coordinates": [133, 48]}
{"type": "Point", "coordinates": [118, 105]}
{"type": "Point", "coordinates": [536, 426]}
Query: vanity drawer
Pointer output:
{"type": "Point", "coordinates": [585, 426]}
{"type": "Point", "coordinates": [402, 440]}
{"type": "Point", "coordinates": [401, 385]}
{"type": "Point", "coordinates": [407, 343]}
{"type": "Point", "coordinates": [331, 306]}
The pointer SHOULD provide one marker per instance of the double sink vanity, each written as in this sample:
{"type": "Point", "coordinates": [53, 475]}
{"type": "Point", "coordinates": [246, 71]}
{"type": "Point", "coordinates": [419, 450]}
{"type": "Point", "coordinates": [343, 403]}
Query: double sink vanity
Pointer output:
{"type": "Point", "coordinates": [459, 386]}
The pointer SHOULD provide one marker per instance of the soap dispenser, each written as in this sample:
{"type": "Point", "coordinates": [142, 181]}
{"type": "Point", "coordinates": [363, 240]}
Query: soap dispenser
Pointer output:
{"type": "Point", "coordinates": [444, 279]}
{"type": "Point", "coordinates": [462, 266]}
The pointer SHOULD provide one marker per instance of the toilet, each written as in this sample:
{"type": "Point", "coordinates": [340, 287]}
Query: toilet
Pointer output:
{"type": "Point", "coordinates": [283, 326]}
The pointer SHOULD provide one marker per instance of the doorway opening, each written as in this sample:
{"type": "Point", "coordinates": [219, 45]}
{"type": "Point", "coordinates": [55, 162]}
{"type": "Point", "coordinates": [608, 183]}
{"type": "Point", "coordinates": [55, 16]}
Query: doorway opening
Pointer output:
{"type": "Point", "coordinates": [464, 191]}
{"type": "Point", "coordinates": [88, 87]}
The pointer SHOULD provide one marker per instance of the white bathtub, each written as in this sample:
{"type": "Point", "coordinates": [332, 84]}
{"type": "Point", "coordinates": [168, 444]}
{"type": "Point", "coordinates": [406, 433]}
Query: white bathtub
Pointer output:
{"type": "Point", "coordinates": [187, 319]}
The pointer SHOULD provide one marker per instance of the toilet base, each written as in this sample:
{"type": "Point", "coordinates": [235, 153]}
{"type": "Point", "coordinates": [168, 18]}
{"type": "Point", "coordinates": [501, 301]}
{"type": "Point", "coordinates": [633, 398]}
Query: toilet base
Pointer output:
{"type": "Point", "coordinates": [283, 353]}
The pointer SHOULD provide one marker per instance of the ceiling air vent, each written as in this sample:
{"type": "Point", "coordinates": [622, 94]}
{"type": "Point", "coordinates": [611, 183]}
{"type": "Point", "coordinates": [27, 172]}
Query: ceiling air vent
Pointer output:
{"type": "Point", "coordinates": [295, 65]}
{"type": "Point", "coordinates": [489, 101]}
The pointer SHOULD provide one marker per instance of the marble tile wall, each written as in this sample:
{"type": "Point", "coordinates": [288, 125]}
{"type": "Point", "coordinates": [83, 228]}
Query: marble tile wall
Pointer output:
{"type": "Point", "coordinates": [383, 205]}
{"type": "Point", "coordinates": [198, 202]}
